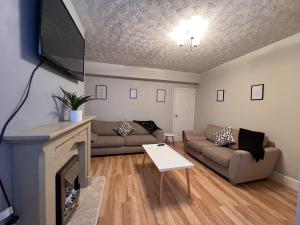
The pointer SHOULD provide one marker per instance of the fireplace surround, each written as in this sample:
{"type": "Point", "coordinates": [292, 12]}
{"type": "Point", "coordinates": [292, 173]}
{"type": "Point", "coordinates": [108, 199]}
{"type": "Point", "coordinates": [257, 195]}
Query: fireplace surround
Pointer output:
{"type": "Point", "coordinates": [38, 154]}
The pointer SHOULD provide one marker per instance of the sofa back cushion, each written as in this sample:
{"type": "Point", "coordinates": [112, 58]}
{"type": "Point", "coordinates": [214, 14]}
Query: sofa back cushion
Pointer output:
{"type": "Point", "coordinates": [266, 142]}
{"type": "Point", "coordinates": [210, 130]}
{"type": "Point", "coordinates": [235, 134]}
{"type": "Point", "coordinates": [138, 129]}
{"type": "Point", "coordinates": [104, 128]}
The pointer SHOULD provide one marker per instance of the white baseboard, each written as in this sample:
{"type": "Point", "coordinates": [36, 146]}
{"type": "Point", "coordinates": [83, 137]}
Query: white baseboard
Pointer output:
{"type": "Point", "coordinates": [285, 180]}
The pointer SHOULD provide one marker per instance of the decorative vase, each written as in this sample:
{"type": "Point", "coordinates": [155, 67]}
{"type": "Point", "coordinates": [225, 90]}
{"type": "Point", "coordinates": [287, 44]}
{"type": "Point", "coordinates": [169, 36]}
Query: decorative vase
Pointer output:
{"type": "Point", "coordinates": [75, 115]}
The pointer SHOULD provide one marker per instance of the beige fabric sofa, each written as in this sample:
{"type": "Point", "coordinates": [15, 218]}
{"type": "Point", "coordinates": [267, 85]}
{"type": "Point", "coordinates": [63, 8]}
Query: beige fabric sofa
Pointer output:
{"type": "Point", "coordinates": [105, 141]}
{"type": "Point", "coordinates": [237, 165]}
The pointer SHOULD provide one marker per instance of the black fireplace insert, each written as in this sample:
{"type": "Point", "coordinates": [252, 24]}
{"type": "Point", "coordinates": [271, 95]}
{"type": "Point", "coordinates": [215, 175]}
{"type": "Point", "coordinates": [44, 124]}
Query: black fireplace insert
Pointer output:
{"type": "Point", "coordinates": [67, 191]}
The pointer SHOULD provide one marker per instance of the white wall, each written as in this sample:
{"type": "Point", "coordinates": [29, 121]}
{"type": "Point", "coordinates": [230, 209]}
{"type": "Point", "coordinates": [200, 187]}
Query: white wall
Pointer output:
{"type": "Point", "coordinates": [121, 71]}
{"type": "Point", "coordinates": [118, 106]}
{"type": "Point", "coordinates": [277, 66]}
{"type": "Point", "coordinates": [18, 44]}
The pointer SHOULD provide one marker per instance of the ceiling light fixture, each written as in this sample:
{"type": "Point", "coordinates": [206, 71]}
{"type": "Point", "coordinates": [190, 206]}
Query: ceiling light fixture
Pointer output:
{"type": "Point", "coordinates": [191, 30]}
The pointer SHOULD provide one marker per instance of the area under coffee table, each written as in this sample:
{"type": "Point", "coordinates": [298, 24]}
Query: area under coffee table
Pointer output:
{"type": "Point", "coordinates": [166, 159]}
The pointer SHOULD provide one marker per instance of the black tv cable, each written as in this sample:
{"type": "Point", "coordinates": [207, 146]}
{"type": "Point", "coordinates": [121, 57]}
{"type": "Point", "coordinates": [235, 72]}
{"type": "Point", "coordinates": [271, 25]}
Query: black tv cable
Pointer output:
{"type": "Point", "coordinates": [21, 103]}
{"type": "Point", "coordinates": [13, 217]}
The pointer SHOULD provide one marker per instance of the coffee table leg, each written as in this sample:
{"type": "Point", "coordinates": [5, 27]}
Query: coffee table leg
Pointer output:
{"type": "Point", "coordinates": [160, 185]}
{"type": "Point", "coordinates": [188, 182]}
{"type": "Point", "coordinates": [173, 141]}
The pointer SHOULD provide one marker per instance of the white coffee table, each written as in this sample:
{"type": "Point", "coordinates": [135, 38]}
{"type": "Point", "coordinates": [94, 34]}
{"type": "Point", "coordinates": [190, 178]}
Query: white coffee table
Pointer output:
{"type": "Point", "coordinates": [166, 159]}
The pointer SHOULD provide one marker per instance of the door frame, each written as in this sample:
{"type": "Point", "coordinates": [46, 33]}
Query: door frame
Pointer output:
{"type": "Point", "coordinates": [174, 108]}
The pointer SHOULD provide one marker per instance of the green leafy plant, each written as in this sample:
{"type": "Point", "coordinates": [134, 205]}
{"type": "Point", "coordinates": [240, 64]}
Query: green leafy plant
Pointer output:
{"type": "Point", "coordinates": [73, 101]}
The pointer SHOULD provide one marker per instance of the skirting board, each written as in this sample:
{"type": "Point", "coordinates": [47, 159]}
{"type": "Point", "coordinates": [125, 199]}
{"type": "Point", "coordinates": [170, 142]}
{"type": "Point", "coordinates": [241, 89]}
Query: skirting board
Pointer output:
{"type": "Point", "coordinates": [285, 180]}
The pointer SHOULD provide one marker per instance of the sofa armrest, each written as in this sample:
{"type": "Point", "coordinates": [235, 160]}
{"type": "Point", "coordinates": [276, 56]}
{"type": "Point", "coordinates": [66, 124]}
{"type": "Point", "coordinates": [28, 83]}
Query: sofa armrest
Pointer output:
{"type": "Point", "coordinates": [243, 167]}
{"type": "Point", "coordinates": [193, 135]}
{"type": "Point", "coordinates": [159, 135]}
{"type": "Point", "coordinates": [188, 135]}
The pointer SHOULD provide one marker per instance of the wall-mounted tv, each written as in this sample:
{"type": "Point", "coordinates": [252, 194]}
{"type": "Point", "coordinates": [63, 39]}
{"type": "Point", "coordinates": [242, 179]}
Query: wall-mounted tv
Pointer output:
{"type": "Point", "coordinates": [61, 43]}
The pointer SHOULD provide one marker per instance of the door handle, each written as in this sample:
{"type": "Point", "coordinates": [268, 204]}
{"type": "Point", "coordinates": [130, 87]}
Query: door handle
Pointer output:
{"type": "Point", "coordinates": [176, 116]}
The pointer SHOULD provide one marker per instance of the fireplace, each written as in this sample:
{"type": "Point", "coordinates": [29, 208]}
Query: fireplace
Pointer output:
{"type": "Point", "coordinates": [67, 191]}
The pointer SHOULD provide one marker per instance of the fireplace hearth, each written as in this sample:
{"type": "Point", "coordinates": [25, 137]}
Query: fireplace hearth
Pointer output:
{"type": "Point", "coordinates": [67, 191]}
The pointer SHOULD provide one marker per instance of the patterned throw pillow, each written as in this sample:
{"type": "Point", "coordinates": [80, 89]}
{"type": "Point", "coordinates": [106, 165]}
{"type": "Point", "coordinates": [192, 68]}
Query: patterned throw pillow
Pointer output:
{"type": "Point", "coordinates": [223, 137]}
{"type": "Point", "coordinates": [125, 128]}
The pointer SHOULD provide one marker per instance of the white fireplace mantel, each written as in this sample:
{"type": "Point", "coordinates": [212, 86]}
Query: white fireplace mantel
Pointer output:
{"type": "Point", "coordinates": [38, 154]}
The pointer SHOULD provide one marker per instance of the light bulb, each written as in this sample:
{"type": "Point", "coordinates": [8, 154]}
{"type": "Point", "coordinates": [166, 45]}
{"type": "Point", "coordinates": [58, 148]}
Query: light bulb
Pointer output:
{"type": "Point", "coordinates": [193, 29]}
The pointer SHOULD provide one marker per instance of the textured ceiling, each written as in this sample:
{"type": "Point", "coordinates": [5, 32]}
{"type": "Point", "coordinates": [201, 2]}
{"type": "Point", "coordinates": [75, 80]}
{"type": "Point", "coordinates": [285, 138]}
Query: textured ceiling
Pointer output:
{"type": "Point", "coordinates": [135, 32]}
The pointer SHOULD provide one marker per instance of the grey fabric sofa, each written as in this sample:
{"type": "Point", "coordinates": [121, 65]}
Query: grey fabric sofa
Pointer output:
{"type": "Point", "coordinates": [105, 141]}
{"type": "Point", "coordinates": [237, 165]}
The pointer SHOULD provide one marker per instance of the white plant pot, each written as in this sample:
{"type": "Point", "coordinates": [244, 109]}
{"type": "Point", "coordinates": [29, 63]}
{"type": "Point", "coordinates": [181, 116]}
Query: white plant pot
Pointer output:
{"type": "Point", "coordinates": [75, 115]}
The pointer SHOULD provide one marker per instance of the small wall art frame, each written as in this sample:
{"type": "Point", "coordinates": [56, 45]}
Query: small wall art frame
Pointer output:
{"type": "Point", "coordinates": [220, 95]}
{"type": "Point", "coordinates": [161, 95]}
{"type": "Point", "coordinates": [101, 92]}
{"type": "Point", "coordinates": [257, 92]}
{"type": "Point", "coordinates": [133, 93]}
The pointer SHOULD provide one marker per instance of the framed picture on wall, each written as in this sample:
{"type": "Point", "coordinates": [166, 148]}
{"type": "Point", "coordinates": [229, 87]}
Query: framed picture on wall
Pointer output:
{"type": "Point", "coordinates": [133, 93]}
{"type": "Point", "coordinates": [161, 95]}
{"type": "Point", "coordinates": [101, 92]}
{"type": "Point", "coordinates": [257, 92]}
{"type": "Point", "coordinates": [220, 95]}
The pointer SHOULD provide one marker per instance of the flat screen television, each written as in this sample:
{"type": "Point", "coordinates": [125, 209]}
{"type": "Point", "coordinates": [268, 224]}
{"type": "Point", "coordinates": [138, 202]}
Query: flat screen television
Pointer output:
{"type": "Point", "coordinates": [61, 43]}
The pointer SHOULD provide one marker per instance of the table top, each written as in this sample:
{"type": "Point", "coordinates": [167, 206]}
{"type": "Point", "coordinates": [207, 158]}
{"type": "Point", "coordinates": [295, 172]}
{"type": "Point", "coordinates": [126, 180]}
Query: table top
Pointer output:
{"type": "Point", "coordinates": [165, 158]}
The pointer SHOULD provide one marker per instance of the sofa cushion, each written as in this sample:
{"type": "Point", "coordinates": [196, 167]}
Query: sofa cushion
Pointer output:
{"type": "Point", "coordinates": [138, 129]}
{"type": "Point", "coordinates": [220, 155]}
{"type": "Point", "coordinates": [107, 141]}
{"type": "Point", "coordinates": [104, 128]}
{"type": "Point", "coordinates": [235, 134]}
{"type": "Point", "coordinates": [210, 130]}
{"type": "Point", "coordinates": [198, 145]}
{"type": "Point", "coordinates": [135, 140]}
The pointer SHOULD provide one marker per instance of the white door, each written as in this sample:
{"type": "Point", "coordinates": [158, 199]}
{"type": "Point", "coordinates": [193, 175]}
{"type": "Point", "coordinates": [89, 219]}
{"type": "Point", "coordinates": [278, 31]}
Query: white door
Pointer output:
{"type": "Point", "coordinates": [184, 110]}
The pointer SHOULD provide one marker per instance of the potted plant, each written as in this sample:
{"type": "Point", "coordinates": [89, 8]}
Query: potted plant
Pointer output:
{"type": "Point", "coordinates": [73, 102]}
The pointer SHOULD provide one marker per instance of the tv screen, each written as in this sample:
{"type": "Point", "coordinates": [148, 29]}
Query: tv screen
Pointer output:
{"type": "Point", "coordinates": [61, 43]}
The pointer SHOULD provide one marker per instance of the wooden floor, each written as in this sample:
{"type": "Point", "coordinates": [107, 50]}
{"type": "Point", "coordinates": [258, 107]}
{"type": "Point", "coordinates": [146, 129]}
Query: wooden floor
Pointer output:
{"type": "Point", "coordinates": [130, 196]}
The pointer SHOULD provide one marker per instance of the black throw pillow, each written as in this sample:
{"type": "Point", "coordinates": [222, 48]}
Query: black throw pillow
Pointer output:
{"type": "Point", "coordinates": [252, 142]}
